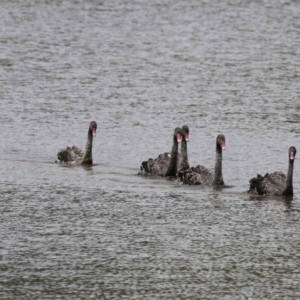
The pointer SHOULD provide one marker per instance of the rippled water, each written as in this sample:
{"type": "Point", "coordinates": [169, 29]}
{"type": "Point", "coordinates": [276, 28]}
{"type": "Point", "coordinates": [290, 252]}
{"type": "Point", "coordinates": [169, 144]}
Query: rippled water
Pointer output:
{"type": "Point", "coordinates": [140, 69]}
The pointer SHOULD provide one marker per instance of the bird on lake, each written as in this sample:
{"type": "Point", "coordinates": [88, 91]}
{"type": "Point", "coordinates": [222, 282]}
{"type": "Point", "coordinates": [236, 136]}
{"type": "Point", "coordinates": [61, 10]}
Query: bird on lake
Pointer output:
{"type": "Point", "coordinates": [165, 164]}
{"type": "Point", "coordinates": [74, 155]}
{"type": "Point", "coordinates": [276, 183]}
{"type": "Point", "coordinates": [202, 175]}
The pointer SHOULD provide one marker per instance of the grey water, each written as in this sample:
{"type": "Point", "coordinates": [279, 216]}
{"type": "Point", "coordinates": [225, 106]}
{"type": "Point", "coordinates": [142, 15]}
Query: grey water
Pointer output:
{"type": "Point", "coordinates": [140, 69]}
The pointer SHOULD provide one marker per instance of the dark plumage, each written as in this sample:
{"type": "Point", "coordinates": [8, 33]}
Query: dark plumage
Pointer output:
{"type": "Point", "coordinates": [165, 164]}
{"type": "Point", "coordinates": [204, 176]}
{"type": "Point", "coordinates": [183, 162]}
{"type": "Point", "coordinates": [276, 183]}
{"type": "Point", "coordinates": [73, 155]}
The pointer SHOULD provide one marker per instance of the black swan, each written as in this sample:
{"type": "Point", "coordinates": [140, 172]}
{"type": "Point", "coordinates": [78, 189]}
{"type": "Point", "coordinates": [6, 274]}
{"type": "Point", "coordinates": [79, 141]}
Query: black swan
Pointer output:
{"type": "Point", "coordinates": [276, 183]}
{"type": "Point", "coordinates": [183, 162]}
{"type": "Point", "coordinates": [203, 176]}
{"type": "Point", "coordinates": [165, 164]}
{"type": "Point", "coordinates": [76, 156]}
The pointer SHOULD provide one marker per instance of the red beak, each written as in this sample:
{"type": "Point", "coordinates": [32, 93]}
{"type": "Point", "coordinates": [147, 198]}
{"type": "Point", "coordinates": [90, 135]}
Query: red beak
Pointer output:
{"type": "Point", "coordinates": [222, 143]}
{"type": "Point", "coordinates": [186, 136]}
{"type": "Point", "coordinates": [179, 137]}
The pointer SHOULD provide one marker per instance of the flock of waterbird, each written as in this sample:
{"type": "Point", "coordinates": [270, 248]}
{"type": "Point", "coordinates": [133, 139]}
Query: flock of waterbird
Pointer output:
{"type": "Point", "coordinates": [176, 164]}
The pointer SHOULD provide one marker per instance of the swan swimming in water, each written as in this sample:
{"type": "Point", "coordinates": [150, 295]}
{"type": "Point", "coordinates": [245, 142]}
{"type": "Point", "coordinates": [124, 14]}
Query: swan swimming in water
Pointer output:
{"type": "Point", "coordinates": [276, 183]}
{"type": "Point", "coordinates": [204, 176]}
{"type": "Point", "coordinates": [165, 164]}
{"type": "Point", "coordinates": [73, 155]}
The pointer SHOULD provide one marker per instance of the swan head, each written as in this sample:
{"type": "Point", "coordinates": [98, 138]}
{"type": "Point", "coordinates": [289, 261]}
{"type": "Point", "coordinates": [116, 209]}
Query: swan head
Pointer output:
{"type": "Point", "coordinates": [221, 141]}
{"type": "Point", "coordinates": [292, 153]}
{"type": "Point", "coordinates": [185, 132]}
{"type": "Point", "coordinates": [93, 128]}
{"type": "Point", "coordinates": [178, 134]}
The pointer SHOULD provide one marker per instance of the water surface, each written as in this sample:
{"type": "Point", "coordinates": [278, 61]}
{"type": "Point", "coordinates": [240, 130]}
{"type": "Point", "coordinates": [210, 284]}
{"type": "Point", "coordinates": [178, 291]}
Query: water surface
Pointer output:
{"type": "Point", "coordinates": [140, 69]}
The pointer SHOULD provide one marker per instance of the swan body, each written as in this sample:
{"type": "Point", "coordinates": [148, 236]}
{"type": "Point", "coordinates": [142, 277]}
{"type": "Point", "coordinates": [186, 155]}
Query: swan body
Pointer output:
{"type": "Point", "coordinates": [165, 164]}
{"type": "Point", "coordinates": [276, 183]}
{"type": "Point", "coordinates": [201, 175]}
{"type": "Point", "coordinates": [74, 155]}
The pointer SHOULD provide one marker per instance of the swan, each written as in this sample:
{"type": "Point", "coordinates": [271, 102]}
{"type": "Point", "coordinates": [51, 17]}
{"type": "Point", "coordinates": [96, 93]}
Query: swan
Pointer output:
{"type": "Point", "coordinates": [183, 162]}
{"type": "Point", "coordinates": [73, 155]}
{"type": "Point", "coordinates": [276, 183]}
{"type": "Point", "coordinates": [165, 164]}
{"type": "Point", "coordinates": [204, 176]}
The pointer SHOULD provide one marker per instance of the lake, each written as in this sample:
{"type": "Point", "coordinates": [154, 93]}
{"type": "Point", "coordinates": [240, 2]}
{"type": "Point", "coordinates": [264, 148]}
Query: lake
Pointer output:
{"type": "Point", "coordinates": [140, 69]}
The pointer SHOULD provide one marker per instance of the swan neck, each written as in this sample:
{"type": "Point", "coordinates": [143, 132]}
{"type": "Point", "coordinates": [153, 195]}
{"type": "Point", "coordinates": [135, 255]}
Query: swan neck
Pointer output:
{"type": "Point", "coordinates": [172, 168]}
{"type": "Point", "coordinates": [183, 149]}
{"type": "Point", "coordinates": [87, 157]}
{"type": "Point", "coordinates": [289, 179]}
{"type": "Point", "coordinates": [218, 177]}
{"type": "Point", "coordinates": [183, 159]}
